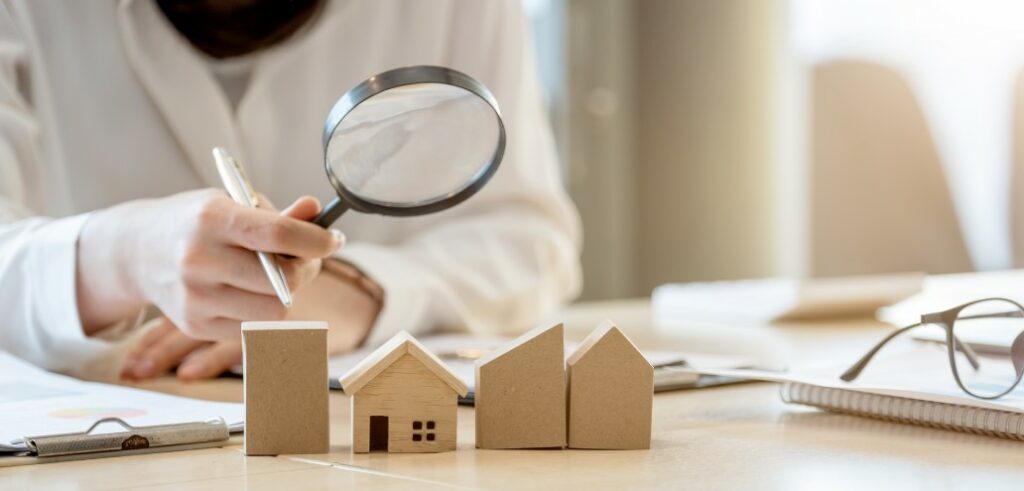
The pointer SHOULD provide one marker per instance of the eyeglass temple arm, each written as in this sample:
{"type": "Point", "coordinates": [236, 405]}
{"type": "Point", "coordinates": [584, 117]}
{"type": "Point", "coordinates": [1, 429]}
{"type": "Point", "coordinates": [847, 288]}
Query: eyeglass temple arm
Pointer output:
{"type": "Point", "coordinates": [994, 315]}
{"type": "Point", "coordinates": [854, 371]}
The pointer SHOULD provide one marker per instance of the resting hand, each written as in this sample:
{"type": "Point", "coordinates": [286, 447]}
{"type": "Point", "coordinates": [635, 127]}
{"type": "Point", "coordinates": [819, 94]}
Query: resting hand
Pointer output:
{"type": "Point", "coordinates": [164, 347]}
{"type": "Point", "coordinates": [349, 311]}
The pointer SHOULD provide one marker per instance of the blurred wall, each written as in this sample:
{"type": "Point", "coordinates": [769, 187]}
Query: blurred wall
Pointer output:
{"type": "Point", "coordinates": [708, 81]}
{"type": "Point", "coordinates": [601, 147]}
{"type": "Point", "coordinates": [678, 150]}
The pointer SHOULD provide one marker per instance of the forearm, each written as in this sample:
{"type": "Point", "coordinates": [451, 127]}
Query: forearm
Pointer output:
{"type": "Point", "coordinates": [105, 291]}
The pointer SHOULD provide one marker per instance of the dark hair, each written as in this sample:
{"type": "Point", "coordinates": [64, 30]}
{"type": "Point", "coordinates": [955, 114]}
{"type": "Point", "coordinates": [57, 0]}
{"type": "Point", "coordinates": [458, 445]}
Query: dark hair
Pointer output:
{"type": "Point", "coordinates": [226, 28]}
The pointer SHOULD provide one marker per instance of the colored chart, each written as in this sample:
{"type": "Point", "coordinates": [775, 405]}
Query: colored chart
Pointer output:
{"type": "Point", "coordinates": [97, 412]}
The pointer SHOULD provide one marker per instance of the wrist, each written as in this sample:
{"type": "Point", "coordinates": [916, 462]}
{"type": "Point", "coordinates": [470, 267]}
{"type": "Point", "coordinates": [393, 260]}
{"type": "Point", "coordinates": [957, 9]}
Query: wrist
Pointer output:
{"type": "Point", "coordinates": [106, 291]}
{"type": "Point", "coordinates": [348, 303]}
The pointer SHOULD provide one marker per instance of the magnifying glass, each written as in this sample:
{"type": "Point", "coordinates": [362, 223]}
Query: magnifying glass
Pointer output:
{"type": "Point", "coordinates": [411, 141]}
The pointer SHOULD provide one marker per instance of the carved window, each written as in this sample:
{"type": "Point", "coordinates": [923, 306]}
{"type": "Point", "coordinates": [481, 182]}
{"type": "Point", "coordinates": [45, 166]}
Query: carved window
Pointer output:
{"type": "Point", "coordinates": [424, 430]}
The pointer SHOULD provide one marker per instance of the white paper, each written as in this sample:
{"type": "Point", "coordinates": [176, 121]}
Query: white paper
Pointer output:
{"type": "Point", "coordinates": [460, 352]}
{"type": "Point", "coordinates": [921, 372]}
{"type": "Point", "coordinates": [34, 402]}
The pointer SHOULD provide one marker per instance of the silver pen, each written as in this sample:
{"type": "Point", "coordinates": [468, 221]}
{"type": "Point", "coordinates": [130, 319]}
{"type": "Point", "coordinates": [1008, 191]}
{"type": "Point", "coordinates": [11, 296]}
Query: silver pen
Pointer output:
{"type": "Point", "coordinates": [240, 190]}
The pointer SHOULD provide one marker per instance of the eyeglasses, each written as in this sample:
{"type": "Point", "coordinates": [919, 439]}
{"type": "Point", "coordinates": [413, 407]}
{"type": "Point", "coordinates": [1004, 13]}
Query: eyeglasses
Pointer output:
{"type": "Point", "coordinates": [999, 320]}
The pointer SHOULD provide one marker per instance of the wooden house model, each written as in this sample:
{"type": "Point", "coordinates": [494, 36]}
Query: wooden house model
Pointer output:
{"type": "Point", "coordinates": [610, 392]}
{"type": "Point", "coordinates": [520, 393]}
{"type": "Point", "coordinates": [404, 399]}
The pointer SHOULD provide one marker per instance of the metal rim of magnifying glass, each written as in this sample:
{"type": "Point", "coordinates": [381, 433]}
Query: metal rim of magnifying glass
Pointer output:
{"type": "Point", "coordinates": [423, 74]}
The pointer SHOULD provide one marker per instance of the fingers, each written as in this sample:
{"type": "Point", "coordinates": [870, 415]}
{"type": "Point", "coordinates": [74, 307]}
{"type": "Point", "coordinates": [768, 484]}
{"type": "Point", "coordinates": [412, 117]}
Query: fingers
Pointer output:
{"type": "Point", "coordinates": [211, 361]}
{"type": "Point", "coordinates": [218, 310]}
{"type": "Point", "coordinates": [305, 208]}
{"type": "Point", "coordinates": [133, 362]}
{"type": "Point", "coordinates": [215, 329]}
{"type": "Point", "coordinates": [262, 230]}
{"type": "Point", "coordinates": [151, 337]}
{"type": "Point", "coordinates": [169, 348]}
{"type": "Point", "coordinates": [240, 268]}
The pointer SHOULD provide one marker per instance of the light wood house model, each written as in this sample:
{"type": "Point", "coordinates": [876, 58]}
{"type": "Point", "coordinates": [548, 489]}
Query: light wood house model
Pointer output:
{"type": "Point", "coordinates": [404, 399]}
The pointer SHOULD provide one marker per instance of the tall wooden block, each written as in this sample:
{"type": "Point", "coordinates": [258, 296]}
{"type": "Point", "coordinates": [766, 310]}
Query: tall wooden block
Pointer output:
{"type": "Point", "coordinates": [611, 392]}
{"type": "Point", "coordinates": [404, 399]}
{"type": "Point", "coordinates": [285, 367]}
{"type": "Point", "coordinates": [520, 393]}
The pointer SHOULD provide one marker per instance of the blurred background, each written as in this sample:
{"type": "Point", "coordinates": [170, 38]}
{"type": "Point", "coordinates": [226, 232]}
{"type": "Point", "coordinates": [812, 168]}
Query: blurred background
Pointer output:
{"type": "Point", "coordinates": [726, 139]}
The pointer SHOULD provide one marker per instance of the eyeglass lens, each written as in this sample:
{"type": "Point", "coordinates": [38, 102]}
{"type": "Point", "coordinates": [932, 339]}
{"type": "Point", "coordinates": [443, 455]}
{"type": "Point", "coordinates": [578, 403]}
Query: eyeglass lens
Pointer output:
{"type": "Point", "coordinates": [991, 323]}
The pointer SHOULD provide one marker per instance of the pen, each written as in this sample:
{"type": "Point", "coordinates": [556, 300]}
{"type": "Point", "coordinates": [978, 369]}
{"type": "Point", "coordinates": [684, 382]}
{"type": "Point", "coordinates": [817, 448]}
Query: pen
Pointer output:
{"type": "Point", "coordinates": [240, 190]}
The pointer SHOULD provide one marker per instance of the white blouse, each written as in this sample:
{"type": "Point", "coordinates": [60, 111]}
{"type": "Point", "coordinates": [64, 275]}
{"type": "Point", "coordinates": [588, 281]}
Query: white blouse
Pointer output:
{"type": "Point", "coordinates": [103, 102]}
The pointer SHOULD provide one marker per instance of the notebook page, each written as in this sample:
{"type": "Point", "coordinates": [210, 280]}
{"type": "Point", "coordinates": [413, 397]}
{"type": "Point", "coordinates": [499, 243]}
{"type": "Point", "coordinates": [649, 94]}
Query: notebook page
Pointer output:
{"type": "Point", "coordinates": [921, 372]}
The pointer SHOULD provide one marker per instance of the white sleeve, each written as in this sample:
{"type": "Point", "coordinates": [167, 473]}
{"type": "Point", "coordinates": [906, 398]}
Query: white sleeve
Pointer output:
{"type": "Point", "coordinates": [504, 259]}
{"type": "Point", "coordinates": [38, 308]}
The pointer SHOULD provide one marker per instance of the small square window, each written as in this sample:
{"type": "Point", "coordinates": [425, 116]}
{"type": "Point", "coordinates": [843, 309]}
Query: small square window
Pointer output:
{"type": "Point", "coordinates": [430, 425]}
{"type": "Point", "coordinates": [417, 425]}
{"type": "Point", "coordinates": [417, 437]}
{"type": "Point", "coordinates": [430, 437]}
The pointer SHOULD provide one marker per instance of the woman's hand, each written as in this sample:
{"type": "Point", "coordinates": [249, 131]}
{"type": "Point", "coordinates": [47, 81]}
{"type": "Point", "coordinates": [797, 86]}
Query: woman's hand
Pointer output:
{"type": "Point", "coordinates": [348, 310]}
{"type": "Point", "coordinates": [164, 347]}
{"type": "Point", "coordinates": [191, 254]}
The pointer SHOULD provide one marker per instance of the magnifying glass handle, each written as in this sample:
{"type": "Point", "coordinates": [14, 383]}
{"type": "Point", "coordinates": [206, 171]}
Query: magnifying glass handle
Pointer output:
{"type": "Point", "coordinates": [331, 213]}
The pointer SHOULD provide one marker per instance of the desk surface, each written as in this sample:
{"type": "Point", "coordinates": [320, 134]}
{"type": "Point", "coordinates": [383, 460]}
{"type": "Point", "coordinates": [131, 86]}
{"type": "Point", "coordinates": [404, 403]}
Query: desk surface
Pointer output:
{"type": "Point", "coordinates": [732, 437]}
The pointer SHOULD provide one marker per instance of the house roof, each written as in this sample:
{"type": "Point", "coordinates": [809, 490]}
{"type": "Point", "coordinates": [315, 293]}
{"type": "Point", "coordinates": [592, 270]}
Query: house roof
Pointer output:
{"type": "Point", "coordinates": [540, 331]}
{"type": "Point", "coordinates": [401, 344]}
{"type": "Point", "coordinates": [606, 332]}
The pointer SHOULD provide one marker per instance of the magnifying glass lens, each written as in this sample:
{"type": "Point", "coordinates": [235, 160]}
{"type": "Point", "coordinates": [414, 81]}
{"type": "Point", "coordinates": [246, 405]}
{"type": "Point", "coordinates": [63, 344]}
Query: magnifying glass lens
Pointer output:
{"type": "Point", "coordinates": [413, 145]}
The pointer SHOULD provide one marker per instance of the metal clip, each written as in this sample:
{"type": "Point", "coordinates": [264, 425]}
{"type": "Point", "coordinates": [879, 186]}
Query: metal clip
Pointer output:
{"type": "Point", "coordinates": [134, 438]}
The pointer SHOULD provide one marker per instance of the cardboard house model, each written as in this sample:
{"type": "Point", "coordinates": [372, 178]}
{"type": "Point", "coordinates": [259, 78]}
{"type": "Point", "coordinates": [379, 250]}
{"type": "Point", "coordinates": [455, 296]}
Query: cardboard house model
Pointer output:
{"type": "Point", "coordinates": [404, 399]}
{"type": "Point", "coordinates": [611, 392]}
{"type": "Point", "coordinates": [520, 393]}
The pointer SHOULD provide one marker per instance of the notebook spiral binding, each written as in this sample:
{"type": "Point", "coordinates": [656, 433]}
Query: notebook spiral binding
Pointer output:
{"type": "Point", "coordinates": [981, 421]}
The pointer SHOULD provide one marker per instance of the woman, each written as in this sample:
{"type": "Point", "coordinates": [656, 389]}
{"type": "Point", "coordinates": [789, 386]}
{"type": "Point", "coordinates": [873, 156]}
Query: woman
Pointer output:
{"type": "Point", "coordinates": [109, 201]}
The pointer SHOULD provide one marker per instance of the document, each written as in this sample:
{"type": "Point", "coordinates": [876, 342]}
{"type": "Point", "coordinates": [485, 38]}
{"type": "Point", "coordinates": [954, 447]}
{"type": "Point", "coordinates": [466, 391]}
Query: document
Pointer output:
{"type": "Point", "coordinates": [34, 402]}
{"type": "Point", "coordinates": [917, 371]}
{"type": "Point", "coordinates": [460, 352]}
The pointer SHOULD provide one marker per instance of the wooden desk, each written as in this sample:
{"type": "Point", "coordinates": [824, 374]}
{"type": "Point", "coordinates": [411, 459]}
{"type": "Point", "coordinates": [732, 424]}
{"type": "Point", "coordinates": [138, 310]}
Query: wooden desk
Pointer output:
{"type": "Point", "coordinates": [738, 437]}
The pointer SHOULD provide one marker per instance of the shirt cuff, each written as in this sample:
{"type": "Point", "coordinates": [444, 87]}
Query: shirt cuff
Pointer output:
{"type": "Point", "coordinates": [52, 292]}
{"type": "Point", "coordinates": [407, 290]}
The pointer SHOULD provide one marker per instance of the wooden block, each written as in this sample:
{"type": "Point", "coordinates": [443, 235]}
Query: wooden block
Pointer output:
{"type": "Point", "coordinates": [520, 393]}
{"type": "Point", "coordinates": [404, 399]}
{"type": "Point", "coordinates": [285, 367]}
{"type": "Point", "coordinates": [611, 392]}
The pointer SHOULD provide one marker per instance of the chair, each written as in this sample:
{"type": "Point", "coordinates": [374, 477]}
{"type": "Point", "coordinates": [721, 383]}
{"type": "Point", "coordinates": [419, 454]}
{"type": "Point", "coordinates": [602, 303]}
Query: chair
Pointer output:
{"type": "Point", "coordinates": [879, 202]}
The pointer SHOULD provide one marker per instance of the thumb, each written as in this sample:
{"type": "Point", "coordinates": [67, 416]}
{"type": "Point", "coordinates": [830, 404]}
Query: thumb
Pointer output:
{"type": "Point", "coordinates": [305, 208]}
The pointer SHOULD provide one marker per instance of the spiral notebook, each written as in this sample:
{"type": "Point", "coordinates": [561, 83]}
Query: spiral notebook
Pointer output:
{"type": "Point", "coordinates": [912, 387]}
{"type": "Point", "coordinates": [956, 417]}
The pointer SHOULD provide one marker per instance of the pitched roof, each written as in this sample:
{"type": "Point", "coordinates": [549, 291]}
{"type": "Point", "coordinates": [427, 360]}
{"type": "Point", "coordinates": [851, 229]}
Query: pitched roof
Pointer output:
{"type": "Point", "coordinates": [401, 344]}
{"type": "Point", "coordinates": [606, 332]}
{"type": "Point", "coordinates": [537, 332]}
